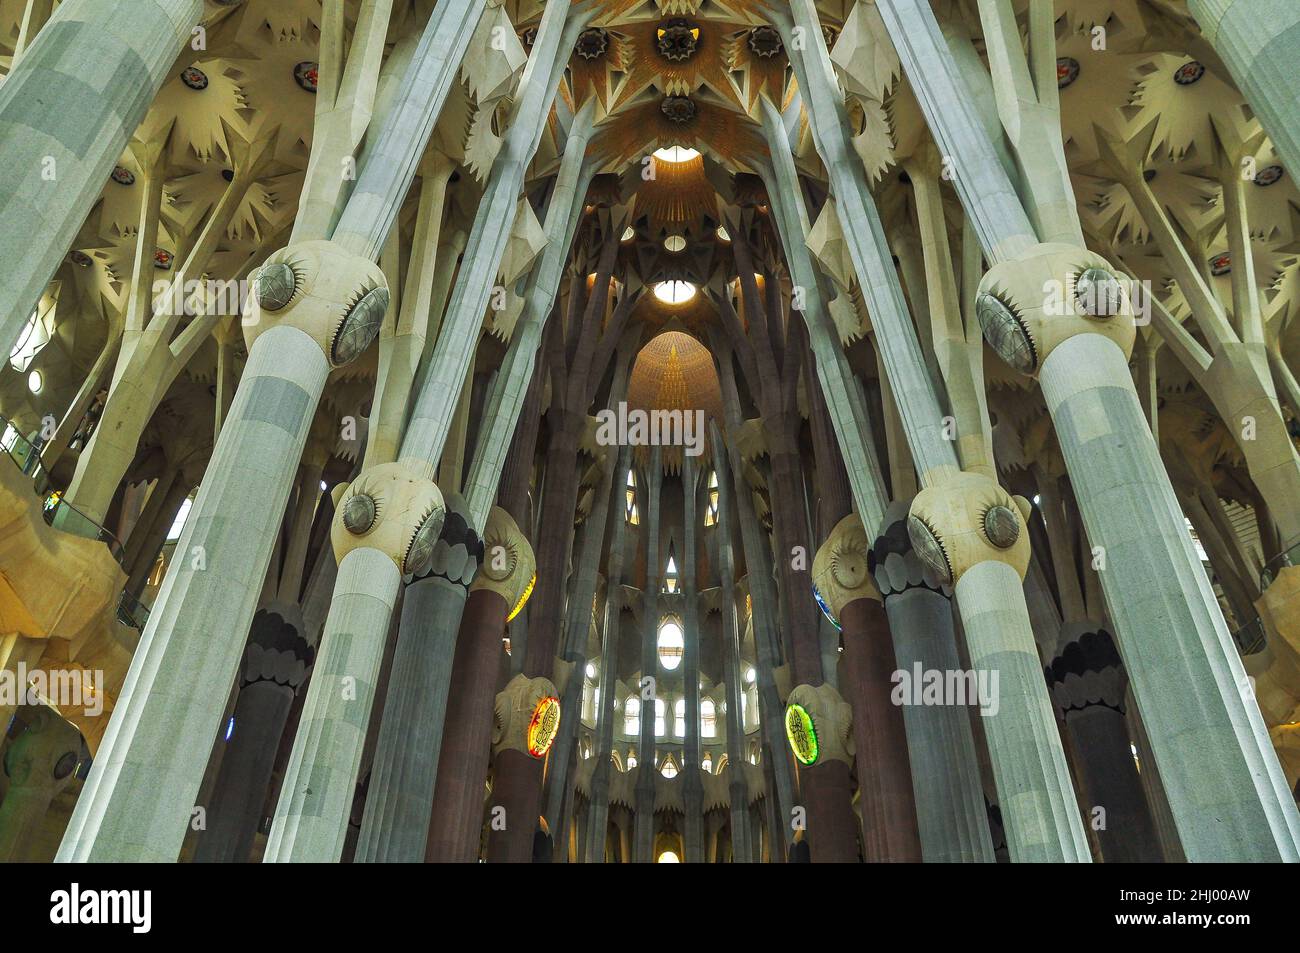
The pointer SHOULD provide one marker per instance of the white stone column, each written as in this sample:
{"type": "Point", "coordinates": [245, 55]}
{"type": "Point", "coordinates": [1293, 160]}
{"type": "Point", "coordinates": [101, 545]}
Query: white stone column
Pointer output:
{"type": "Point", "coordinates": [67, 111]}
{"type": "Point", "coordinates": [138, 798]}
{"type": "Point", "coordinates": [1229, 797]}
{"type": "Point", "coordinates": [311, 818]}
{"type": "Point", "coordinates": [1259, 41]}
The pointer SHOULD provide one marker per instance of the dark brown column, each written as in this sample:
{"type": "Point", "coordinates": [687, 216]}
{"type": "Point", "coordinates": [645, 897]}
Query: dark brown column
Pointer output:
{"type": "Point", "coordinates": [832, 829]}
{"type": "Point", "coordinates": [889, 831]}
{"type": "Point", "coordinates": [467, 733]}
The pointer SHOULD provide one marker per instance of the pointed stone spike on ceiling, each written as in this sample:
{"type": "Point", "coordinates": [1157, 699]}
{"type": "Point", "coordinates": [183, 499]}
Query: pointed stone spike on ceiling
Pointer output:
{"type": "Point", "coordinates": [826, 241]}
{"type": "Point", "coordinates": [498, 57]}
{"type": "Point", "coordinates": [864, 56]}
{"type": "Point", "coordinates": [527, 239]}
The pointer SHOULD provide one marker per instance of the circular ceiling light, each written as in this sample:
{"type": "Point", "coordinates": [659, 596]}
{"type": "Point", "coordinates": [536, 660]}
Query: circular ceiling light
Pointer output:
{"type": "Point", "coordinates": [629, 233]}
{"type": "Point", "coordinates": [674, 291]}
{"type": "Point", "coordinates": [674, 243]}
{"type": "Point", "coordinates": [676, 154]}
{"type": "Point", "coordinates": [35, 381]}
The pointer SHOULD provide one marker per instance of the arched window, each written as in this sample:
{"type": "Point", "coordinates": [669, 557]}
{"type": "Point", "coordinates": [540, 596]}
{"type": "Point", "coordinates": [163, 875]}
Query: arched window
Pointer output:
{"type": "Point", "coordinates": [669, 857]}
{"type": "Point", "coordinates": [660, 721]}
{"type": "Point", "coordinates": [670, 572]}
{"type": "Point", "coordinates": [679, 718]}
{"type": "Point", "coordinates": [37, 334]}
{"type": "Point", "coordinates": [708, 719]}
{"type": "Point", "coordinates": [671, 644]}
{"type": "Point", "coordinates": [707, 764]}
{"type": "Point", "coordinates": [632, 515]}
{"type": "Point", "coordinates": [711, 509]}
{"type": "Point", "coordinates": [751, 705]}
{"type": "Point", "coordinates": [632, 716]}
{"type": "Point", "coordinates": [631, 760]}
{"type": "Point", "coordinates": [669, 770]}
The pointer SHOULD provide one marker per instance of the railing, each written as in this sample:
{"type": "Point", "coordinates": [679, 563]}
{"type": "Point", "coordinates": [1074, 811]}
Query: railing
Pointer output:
{"type": "Point", "coordinates": [1288, 557]}
{"type": "Point", "coordinates": [25, 455]}
{"type": "Point", "coordinates": [1250, 637]}
{"type": "Point", "coordinates": [56, 511]}
{"type": "Point", "coordinates": [131, 611]}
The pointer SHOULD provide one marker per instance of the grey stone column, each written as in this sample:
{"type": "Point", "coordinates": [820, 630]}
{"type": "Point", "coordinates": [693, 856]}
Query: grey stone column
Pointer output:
{"type": "Point", "coordinates": [993, 610]}
{"type": "Point", "coordinates": [737, 788]}
{"type": "Point", "coordinates": [39, 763]}
{"type": "Point", "coordinates": [598, 815]}
{"type": "Point", "coordinates": [1229, 797]}
{"type": "Point", "coordinates": [1181, 661]}
{"type": "Point", "coordinates": [276, 663]}
{"type": "Point", "coordinates": [311, 818]}
{"type": "Point", "coordinates": [950, 812]}
{"type": "Point", "coordinates": [151, 762]}
{"type": "Point", "coordinates": [1029, 764]}
{"type": "Point", "coordinates": [643, 828]}
{"type": "Point", "coordinates": [692, 785]}
{"type": "Point", "coordinates": [139, 796]}
{"type": "Point", "coordinates": [67, 111]}
{"type": "Point", "coordinates": [758, 564]}
{"type": "Point", "coordinates": [1259, 41]}
{"type": "Point", "coordinates": [395, 826]}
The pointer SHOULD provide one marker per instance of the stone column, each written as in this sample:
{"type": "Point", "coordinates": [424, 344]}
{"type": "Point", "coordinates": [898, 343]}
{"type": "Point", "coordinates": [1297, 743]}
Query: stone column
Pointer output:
{"type": "Point", "coordinates": [954, 515]}
{"type": "Point", "coordinates": [692, 785]}
{"type": "Point", "coordinates": [843, 582]}
{"type": "Point", "coordinates": [1226, 789]}
{"type": "Point", "coordinates": [737, 788]}
{"type": "Point", "coordinates": [1087, 682]}
{"type": "Point", "coordinates": [67, 110]}
{"type": "Point", "coordinates": [506, 578]}
{"type": "Point", "coordinates": [311, 818]}
{"type": "Point", "coordinates": [317, 305]}
{"type": "Point", "coordinates": [1259, 41]}
{"type": "Point", "coordinates": [276, 664]}
{"type": "Point", "coordinates": [643, 828]}
{"type": "Point", "coordinates": [39, 763]}
{"type": "Point", "coordinates": [399, 797]}
{"type": "Point", "coordinates": [952, 821]}
{"type": "Point", "coordinates": [598, 812]}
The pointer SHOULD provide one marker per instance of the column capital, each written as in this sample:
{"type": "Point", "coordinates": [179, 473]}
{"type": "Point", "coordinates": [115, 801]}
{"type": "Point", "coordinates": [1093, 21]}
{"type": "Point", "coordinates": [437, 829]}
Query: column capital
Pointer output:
{"type": "Point", "coordinates": [1087, 671]}
{"type": "Point", "coordinates": [336, 297]}
{"type": "Point", "coordinates": [819, 725]}
{"type": "Point", "coordinates": [526, 716]}
{"type": "Point", "coordinates": [509, 566]}
{"type": "Point", "coordinates": [1031, 303]}
{"type": "Point", "coordinates": [458, 551]}
{"type": "Point", "coordinates": [392, 509]}
{"type": "Point", "coordinates": [841, 569]}
{"type": "Point", "coordinates": [967, 519]}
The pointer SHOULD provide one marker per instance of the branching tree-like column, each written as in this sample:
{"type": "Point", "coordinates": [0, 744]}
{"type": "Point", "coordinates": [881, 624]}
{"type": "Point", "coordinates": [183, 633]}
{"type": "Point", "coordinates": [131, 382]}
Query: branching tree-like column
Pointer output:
{"type": "Point", "coordinates": [693, 790]}
{"type": "Point", "coordinates": [643, 829]}
{"type": "Point", "coordinates": [392, 516]}
{"type": "Point", "coordinates": [317, 305]}
{"type": "Point", "coordinates": [63, 126]}
{"type": "Point", "coordinates": [950, 813]}
{"type": "Point", "coordinates": [737, 789]}
{"type": "Point", "coordinates": [456, 818]}
{"type": "Point", "coordinates": [767, 647]}
{"type": "Point", "coordinates": [965, 525]}
{"type": "Point", "coordinates": [1225, 787]}
{"type": "Point", "coordinates": [598, 811]}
